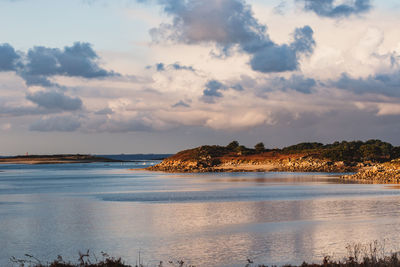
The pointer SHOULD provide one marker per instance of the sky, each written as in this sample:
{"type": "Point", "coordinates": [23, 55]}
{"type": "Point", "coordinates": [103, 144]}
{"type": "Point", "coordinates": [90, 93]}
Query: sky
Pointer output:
{"type": "Point", "coordinates": [159, 76]}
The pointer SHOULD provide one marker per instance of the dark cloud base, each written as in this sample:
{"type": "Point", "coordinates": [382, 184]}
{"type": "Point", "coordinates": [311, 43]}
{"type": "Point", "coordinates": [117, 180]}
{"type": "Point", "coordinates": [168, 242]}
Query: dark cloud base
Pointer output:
{"type": "Point", "coordinates": [327, 8]}
{"type": "Point", "coordinates": [56, 124]}
{"type": "Point", "coordinates": [383, 84]}
{"type": "Point", "coordinates": [55, 100]}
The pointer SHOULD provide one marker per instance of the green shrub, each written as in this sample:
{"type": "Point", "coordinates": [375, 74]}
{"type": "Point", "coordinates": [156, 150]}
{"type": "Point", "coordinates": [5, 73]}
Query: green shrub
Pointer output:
{"type": "Point", "coordinates": [260, 147]}
{"type": "Point", "coordinates": [233, 145]}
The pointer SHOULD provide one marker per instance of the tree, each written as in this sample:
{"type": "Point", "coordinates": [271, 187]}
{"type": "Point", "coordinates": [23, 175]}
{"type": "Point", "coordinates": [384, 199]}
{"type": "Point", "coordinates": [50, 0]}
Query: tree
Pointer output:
{"type": "Point", "coordinates": [303, 146]}
{"type": "Point", "coordinates": [376, 150]}
{"type": "Point", "coordinates": [260, 147]}
{"type": "Point", "coordinates": [233, 145]}
{"type": "Point", "coordinates": [242, 150]}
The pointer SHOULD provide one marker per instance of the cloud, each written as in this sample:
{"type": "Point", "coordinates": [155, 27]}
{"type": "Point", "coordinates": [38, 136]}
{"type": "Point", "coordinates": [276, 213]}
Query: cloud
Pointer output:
{"type": "Point", "coordinates": [212, 91]}
{"type": "Point", "coordinates": [55, 100]}
{"type": "Point", "coordinates": [175, 66]}
{"type": "Point", "coordinates": [56, 124]}
{"type": "Point", "coordinates": [228, 24]}
{"type": "Point", "coordinates": [237, 87]}
{"type": "Point", "coordinates": [8, 58]}
{"type": "Point", "coordinates": [328, 8]}
{"type": "Point", "coordinates": [280, 8]}
{"type": "Point", "coordinates": [238, 120]}
{"type": "Point", "coordinates": [297, 83]}
{"type": "Point", "coordinates": [214, 88]}
{"type": "Point", "coordinates": [274, 59]}
{"type": "Point", "coordinates": [40, 63]}
{"type": "Point", "coordinates": [118, 125]}
{"type": "Point", "coordinates": [270, 57]}
{"type": "Point", "coordinates": [385, 84]}
{"type": "Point", "coordinates": [104, 111]}
{"type": "Point", "coordinates": [78, 60]}
{"type": "Point", "coordinates": [32, 80]}
{"type": "Point", "coordinates": [181, 103]}
{"type": "Point", "coordinates": [160, 67]}
{"type": "Point", "coordinates": [17, 111]}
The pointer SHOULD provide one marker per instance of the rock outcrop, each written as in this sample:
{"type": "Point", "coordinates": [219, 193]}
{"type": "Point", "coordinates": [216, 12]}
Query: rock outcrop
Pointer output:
{"type": "Point", "coordinates": [345, 157]}
{"type": "Point", "coordinates": [242, 165]}
{"type": "Point", "coordinates": [215, 159]}
{"type": "Point", "coordinates": [384, 173]}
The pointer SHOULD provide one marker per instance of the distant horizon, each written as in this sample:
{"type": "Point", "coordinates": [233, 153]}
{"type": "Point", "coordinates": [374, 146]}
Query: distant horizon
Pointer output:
{"type": "Point", "coordinates": [152, 76]}
{"type": "Point", "coordinates": [117, 154]}
{"type": "Point", "coordinates": [189, 147]}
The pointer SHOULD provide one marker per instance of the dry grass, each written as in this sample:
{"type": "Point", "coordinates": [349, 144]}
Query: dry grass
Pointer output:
{"type": "Point", "coordinates": [359, 255]}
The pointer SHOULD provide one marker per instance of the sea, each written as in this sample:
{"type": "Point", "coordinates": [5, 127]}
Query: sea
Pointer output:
{"type": "Point", "coordinates": [207, 219]}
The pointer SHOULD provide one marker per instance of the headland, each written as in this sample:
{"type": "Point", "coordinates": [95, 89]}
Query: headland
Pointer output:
{"type": "Point", "coordinates": [371, 161]}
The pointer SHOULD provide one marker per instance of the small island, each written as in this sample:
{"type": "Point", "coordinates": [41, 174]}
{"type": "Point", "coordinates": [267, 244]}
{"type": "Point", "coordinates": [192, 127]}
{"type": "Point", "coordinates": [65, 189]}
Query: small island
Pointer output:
{"type": "Point", "coordinates": [371, 161]}
{"type": "Point", "coordinates": [54, 159]}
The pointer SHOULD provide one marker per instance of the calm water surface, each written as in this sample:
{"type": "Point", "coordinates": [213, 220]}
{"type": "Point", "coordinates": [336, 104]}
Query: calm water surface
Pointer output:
{"type": "Point", "coordinates": [204, 219]}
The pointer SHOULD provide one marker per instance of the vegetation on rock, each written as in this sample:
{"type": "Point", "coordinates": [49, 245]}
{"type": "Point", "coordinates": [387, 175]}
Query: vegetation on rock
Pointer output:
{"type": "Point", "coordinates": [354, 151]}
{"type": "Point", "coordinates": [260, 147]}
{"type": "Point", "coordinates": [336, 157]}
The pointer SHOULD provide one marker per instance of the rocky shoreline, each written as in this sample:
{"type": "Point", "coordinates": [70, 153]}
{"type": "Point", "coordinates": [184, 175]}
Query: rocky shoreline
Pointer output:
{"type": "Point", "coordinates": [291, 163]}
{"type": "Point", "coordinates": [364, 159]}
{"type": "Point", "coordinates": [385, 173]}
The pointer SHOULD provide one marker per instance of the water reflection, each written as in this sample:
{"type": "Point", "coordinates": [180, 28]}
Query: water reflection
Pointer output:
{"type": "Point", "coordinates": [270, 218]}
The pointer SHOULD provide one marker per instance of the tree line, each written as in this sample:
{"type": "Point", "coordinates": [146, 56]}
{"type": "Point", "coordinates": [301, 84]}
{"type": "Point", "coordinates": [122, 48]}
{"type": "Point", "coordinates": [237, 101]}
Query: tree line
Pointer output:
{"type": "Point", "coordinates": [355, 151]}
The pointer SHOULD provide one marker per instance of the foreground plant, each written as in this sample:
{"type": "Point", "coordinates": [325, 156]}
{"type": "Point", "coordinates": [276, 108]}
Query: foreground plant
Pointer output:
{"type": "Point", "coordinates": [359, 255]}
{"type": "Point", "coordinates": [85, 260]}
